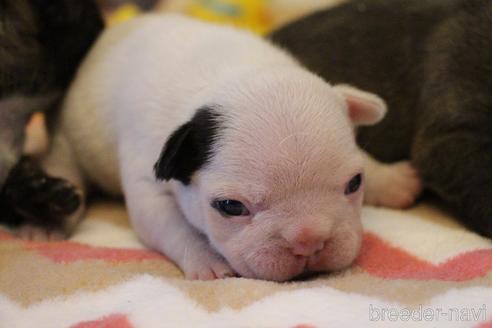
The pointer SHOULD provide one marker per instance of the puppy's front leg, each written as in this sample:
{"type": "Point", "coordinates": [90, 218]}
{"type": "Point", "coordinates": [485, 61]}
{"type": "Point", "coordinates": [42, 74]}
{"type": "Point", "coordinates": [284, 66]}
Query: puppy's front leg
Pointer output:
{"type": "Point", "coordinates": [15, 112]}
{"type": "Point", "coordinates": [395, 185]}
{"type": "Point", "coordinates": [161, 225]}
{"type": "Point", "coordinates": [49, 200]}
{"type": "Point", "coordinates": [13, 119]}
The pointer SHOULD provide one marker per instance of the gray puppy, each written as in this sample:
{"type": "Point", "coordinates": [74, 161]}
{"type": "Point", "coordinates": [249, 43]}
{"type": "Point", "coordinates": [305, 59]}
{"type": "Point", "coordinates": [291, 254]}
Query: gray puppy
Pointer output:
{"type": "Point", "coordinates": [432, 62]}
{"type": "Point", "coordinates": [41, 45]}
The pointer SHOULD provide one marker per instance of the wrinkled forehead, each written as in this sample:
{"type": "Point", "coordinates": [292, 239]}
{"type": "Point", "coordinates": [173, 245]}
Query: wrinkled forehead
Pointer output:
{"type": "Point", "coordinates": [268, 153]}
{"type": "Point", "coordinates": [284, 132]}
{"type": "Point", "coordinates": [296, 153]}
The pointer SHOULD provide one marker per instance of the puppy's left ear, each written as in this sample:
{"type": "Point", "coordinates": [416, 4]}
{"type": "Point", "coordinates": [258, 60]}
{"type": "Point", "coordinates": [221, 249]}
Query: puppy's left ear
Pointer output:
{"type": "Point", "coordinates": [189, 147]}
{"type": "Point", "coordinates": [364, 108]}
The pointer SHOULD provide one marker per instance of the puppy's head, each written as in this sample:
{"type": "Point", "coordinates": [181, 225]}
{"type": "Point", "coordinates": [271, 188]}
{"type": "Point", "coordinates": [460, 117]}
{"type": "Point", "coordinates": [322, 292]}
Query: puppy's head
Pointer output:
{"type": "Point", "coordinates": [271, 173]}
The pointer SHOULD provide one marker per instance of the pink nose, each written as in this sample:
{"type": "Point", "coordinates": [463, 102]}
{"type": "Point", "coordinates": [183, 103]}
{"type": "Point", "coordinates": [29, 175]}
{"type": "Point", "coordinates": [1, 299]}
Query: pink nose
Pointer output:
{"type": "Point", "coordinates": [307, 248]}
{"type": "Point", "coordinates": [305, 241]}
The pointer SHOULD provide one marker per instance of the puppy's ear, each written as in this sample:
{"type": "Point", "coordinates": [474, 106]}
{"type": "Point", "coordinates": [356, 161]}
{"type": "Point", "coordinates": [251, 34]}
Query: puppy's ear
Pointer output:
{"type": "Point", "coordinates": [364, 108]}
{"type": "Point", "coordinates": [189, 147]}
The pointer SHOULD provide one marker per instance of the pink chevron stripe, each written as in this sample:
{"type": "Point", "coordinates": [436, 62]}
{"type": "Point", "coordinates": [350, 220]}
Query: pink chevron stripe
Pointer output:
{"type": "Point", "coordinates": [487, 324]}
{"type": "Point", "coordinates": [111, 321]}
{"type": "Point", "coordinates": [381, 259]}
{"type": "Point", "coordinates": [66, 252]}
{"type": "Point", "coordinates": [5, 236]}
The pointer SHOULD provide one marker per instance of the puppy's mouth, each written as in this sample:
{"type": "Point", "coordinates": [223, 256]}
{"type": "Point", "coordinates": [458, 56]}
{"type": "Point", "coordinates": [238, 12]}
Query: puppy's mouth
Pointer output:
{"type": "Point", "coordinates": [311, 267]}
{"type": "Point", "coordinates": [277, 265]}
{"type": "Point", "coordinates": [303, 262]}
{"type": "Point", "coordinates": [281, 265]}
{"type": "Point", "coordinates": [309, 264]}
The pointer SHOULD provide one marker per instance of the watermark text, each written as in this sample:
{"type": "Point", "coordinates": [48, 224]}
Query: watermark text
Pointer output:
{"type": "Point", "coordinates": [422, 313]}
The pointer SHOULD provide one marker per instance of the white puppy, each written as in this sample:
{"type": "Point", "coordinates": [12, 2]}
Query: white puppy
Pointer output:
{"type": "Point", "coordinates": [232, 157]}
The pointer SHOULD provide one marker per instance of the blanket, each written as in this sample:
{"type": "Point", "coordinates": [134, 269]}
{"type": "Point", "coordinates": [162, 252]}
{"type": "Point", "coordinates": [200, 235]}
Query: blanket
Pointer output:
{"type": "Point", "coordinates": [417, 268]}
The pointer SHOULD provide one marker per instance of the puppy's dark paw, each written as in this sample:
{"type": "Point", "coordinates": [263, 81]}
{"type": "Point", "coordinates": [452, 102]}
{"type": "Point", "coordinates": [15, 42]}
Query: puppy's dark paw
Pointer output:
{"type": "Point", "coordinates": [37, 198]}
{"type": "Point", "coordinates": [44, 196]}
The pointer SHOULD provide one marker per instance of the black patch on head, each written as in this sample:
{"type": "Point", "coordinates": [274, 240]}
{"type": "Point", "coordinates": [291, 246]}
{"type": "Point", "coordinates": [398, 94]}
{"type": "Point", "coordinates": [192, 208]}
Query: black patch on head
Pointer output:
{"type": "Point", "coordinates": [189, 147]}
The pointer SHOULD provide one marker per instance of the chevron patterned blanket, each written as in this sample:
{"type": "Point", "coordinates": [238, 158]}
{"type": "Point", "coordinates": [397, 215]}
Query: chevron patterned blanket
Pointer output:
{"type": "Point", "coordinates": [417, 268]}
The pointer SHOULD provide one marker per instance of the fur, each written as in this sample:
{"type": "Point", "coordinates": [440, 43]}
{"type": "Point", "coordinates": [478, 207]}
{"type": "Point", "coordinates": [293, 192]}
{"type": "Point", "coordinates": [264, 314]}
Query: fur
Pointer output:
{"type": "Point", "coordinates": [432, 62]}
{"type": "Point", "coordinates": [41, 44]}
{"type": "Point", "coordinates": [239, 119]}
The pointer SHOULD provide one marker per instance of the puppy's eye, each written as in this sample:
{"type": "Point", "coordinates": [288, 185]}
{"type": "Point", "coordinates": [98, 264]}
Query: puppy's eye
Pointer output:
{"type": "Point", "coordinates": [230, 207]}
{"type": "Point", "coordinates": [354, 184]}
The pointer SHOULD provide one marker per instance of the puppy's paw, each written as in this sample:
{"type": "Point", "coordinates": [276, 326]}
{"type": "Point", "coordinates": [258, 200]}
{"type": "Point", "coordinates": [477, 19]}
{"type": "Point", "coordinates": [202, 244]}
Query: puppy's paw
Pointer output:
{"type": "Point", "coordinates": [44, 197]}
{"type": "Point", "coordinates": [395, 186]}
{"type": "Point", "coordinates": [31, 196]}
{"type": "Point", "coordinates": [31, 232]}
{"type": "Point", "coordinates": [206, 265]}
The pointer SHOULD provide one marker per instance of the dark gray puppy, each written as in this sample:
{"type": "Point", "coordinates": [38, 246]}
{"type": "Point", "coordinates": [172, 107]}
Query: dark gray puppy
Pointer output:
{"type": "Point", "coordinates": [41, 45]}
{"type": "Point", "coordinates": [431, 60]}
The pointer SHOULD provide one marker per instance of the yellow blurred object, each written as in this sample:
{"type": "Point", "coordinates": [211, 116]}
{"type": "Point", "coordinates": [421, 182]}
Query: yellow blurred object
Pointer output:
{"type": "Point", "coordinates": [123, 13]}
{"type": "Point", "coordinates": [250, 14]}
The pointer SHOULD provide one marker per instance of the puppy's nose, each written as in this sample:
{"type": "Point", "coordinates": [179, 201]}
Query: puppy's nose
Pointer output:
{"type": "Point", "coordinates": [305, 241]}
